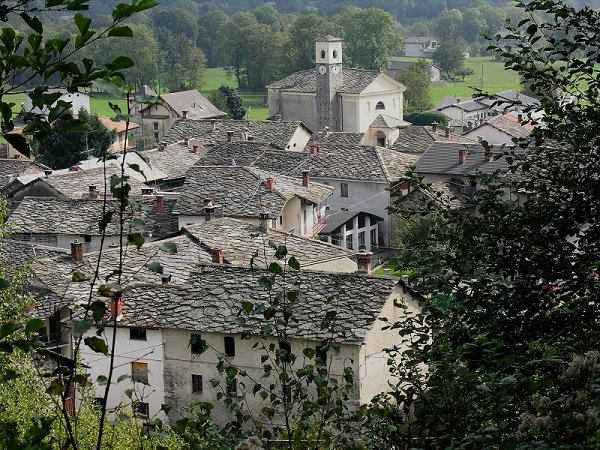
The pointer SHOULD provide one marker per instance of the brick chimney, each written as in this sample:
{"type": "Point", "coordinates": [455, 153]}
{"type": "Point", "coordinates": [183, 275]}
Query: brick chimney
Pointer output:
{"type": "Point", "coordinates": [462, 156]}
{"type": "Point", "coordinates": [305, 177]}
{"type": "Point", "coordinates": [17, 156]}
{"type": "Point", "coordinates": [229, 136]}
{"type": "Point", "coordinates": [160, 204]}
{"type": "Point", "coordinates": [185, 113]}
{"type": "Point", "coordinates": [92, 191]}
{"type": "Point", "coordinates": [270, 184]}
{"type": "Point", "coordinates": [314, 149]}
{"type": "Point", "coordinates": [363, 261]}
{"type": "Point", "coordinates": [434, 126]}
{"type": "Point", "coordinates": [447, 132]}
{"type": "Point", "coordinates": [77, 250]}
{"type": "Point", "coordinates": [217, 255]}
{"type": "Point", "coordinates": [116, 307]}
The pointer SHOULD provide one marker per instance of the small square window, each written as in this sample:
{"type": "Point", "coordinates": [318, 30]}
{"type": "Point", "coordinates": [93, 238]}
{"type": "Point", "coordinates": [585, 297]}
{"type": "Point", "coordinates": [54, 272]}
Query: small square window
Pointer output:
{"type": "Point", "coordinates": [155, 126]}
{"type": "Point", "coordinates": [87, 238]}
{"type": "Point", "coordinates": [229, 346]}
{"type": "Point", "coordinates": [196, 384]}
{"type": "Point", "coordinates": [138, 334]}
{"type": "Point", "coordinates": [197, 344]}
{"type": "Point", "coordinates": [141, 409]}
{"type": "Point", "coordinates": [156, 136]}
{"type": "Point", "coordinates": [343, 189]}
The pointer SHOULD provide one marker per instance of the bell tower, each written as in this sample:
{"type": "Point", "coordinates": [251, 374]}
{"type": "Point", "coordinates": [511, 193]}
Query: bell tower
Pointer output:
{"type": "Point", "coordinates": [328, 80]}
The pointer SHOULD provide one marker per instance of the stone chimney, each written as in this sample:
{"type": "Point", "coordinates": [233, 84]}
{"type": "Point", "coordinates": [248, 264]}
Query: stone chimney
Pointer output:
{"type": "Point", "coordinates": [462, 156]}
{"type": "Point", "coordinates": [47, 172]}
{"type": "Point", "coordinates": [434, 126]}
{"type": "Point", "coordinates": [116, 307]}
{"type": "Point", "coordinates": [270, 184]}
{"type": "Point", "coordinates": [447, 132]}
{"type": "Point", "coordinates": [250, 138]}
{"type": "Point", "coordinates": [163, 146]}
{"type": "Point", "coordinates": [264, 221]}
{"type": "Point", "coordinates": [147, 191]}
{"type": "Point", "coordinates": [185, 113]}
{"type": "Point", "coordinates": [77, 250]}
{"type": "Point", "coordinates": [217, 255]}
{"type": "Point", "coordinates": [489, 152]}
{"type": "Point", "coordinates": [278, 117]}
{"type": "Point", "coordinates": [17, 156]}
{"type": "Point", "coordinates": [213, 122]}
{"type": "Point", "coordinates": [208, 209]}
{"type": "Point", "coordinates": [229, 136]}
{"type": "Point", "coordinates": [519, 118]}
{"type": "Point", "coordinates": [160, 204]}
{"type": "Point", "coordinates": [305, 177]}
{"type": "Point", "coordinates": [314, 149]}
{"type": "Point", "coordinates": [363, 261]}
{"type": "Point", "coordinates": [92, 191]}
{"type": "Point", "coordinates": [166, 279]}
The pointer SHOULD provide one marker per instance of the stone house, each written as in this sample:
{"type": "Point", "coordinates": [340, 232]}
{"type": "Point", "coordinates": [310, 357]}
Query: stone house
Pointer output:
{"type": "Point", "coordinates": [419, 46]}
{"type": "Point", "coordinates": [122, 137]}
{"type": "Point", "coordinates": [264, 198]}
{"type": "Point", "coordinates": [333, 96]}
{"type": "Point", "coordinates": [435, 73]}
{"type": "Point", "coordinates": [501, 130]}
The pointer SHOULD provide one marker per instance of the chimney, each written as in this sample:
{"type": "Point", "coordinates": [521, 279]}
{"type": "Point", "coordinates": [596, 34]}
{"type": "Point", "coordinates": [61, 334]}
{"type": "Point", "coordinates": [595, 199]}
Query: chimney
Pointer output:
{"type": "Point", "coordinates": [278, 117]}
{"type": "Point", "coordinates": [217, 255]}
{"type": "Point", "coordinates": [74, 168]}
{"type": "Point", "coordinates": [363, 261]}
{"type": "Point", "coordinates": [163, 146]}
{"type": "Point", "coordinates": [488, 152]}
{"type": "Point", "coordinates": [229, 136]}
{"type": "Point", "coordinates": [77, 250]}
{"type": "Point", "coordinates": [147, 191]}
{"type": "Point", "coordinates": [208, 209]}
{"type": "Point", "coordinates": [186, 141]}
{"type": "Point", "coordinates": [47, 173]}
{"type": "Point", "coordinates": [462, 156]}
{"type": "Point", "coordinates": [116, 307]}
{"type": "Point", "coordinates": [213, 122]}
{"type": "Point", "coordinates": [434, 126]}
{"type": "Point", "coordinates": [447, 132]}
{"type": "Point", "coordinates": [166, 279]}
{"type": "Point", "coordinates": [207, 202]}
{"type": "Point", "coordinates": [519, 118]}
{"type": "Point", "coordinates": [264, 221]}
{"type": "Point", "coordinates": [250, 138]}
{"type": "Point", "coordinates": [314, 149]}
{"type": "Point", "coordinates": [17, 156]}
{"type": "Point", "coordinates": [160, 204]}
{"type": "Point", "coordinates": [92, 191]}
{"type": "Point", "coordinates": [305, 177]}
{"type": "Point", "coordinates": [185, 113]}
{"type": "Point", "coordinates": [270, 184]}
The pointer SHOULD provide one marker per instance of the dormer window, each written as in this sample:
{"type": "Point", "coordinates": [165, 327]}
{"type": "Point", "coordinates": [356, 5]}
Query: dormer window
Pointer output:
{"type": "Point", "coordinates": [322, 54]}
{"type": "Point", "coordinates": [379, 105]}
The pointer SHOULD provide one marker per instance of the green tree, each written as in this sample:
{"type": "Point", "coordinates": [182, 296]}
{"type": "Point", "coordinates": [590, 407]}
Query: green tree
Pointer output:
{"type": "Point", "coordinates": [474, 25]}
{"type": "Point", "coordinates": [427, 118]}
{"type": "Point", "coordinates": [233, 101]}
{"type": "Point", "coordinates": [369, 38]}
{"type": "Point", "coordinates": [448, 25]}
{"type": "Point", "coordinates": [448, 57]}
{"type": "Point", "coordinates": [418, 29]}
{"type": "Point", "coordinates": [184, 64]}
{"type": "Point", "coordinates": [73, 142]}
{"type": "Point", "coordinates": [209, 25]}
{"type": "Point", "coordinates": [298, 47]}
{"type": "Point", "coordinates": [510, 351]}
{"type": "Point", "coordinates": [464, 72]}
{"type": "Point", "coordinates": [416, 78]}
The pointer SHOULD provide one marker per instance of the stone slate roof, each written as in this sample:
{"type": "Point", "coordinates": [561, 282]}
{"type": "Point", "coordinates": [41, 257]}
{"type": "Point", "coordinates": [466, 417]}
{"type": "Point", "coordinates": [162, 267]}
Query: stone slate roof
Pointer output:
{"type": "Point", "coordinates": [145, 90]}
{"type": "Point", "coordinates": [241, 191]}
{"type": "Point", "coordinates": [329, 38]}
{"type": "Point", "coordinates": [350, 162]}
{"type": "Point", "coordinates": [466, 103]}
{"type": "Point", "coordinates": [44, 215]}
{"type": "Point", "coordinates": [240, 241]}
{"type": "Point", "coordinates": [386, 121]}
{"type": "Point", "coordinates": [507, 125]}
{"type": "Point", "coordinates": [213, 132]}
{"type": "Point", "coordinates": [442, 158]}
{"type": "Point", "coordinates": [173, 163]}
{"type": "Point", "coordinates": [354, 81]}
{"type": "Point", "coordinates": [192, 101]}
{"type": "Point", "coordinates": [417, 39]}
{"type": "Point", "coordinates": [444, 194]}
{"type": "Point", "coordinates": [212, 301]}
{"type": "Point", "coordinates": [417, 139]}
{"type": "Point", "coordinates": [336, 138]}
{"type": "Point", "coordinates": [339, 218]}
{"type": "Point", "coordinates": [11, 168]}
{"type": "Point", "coordinates": [75, 184]}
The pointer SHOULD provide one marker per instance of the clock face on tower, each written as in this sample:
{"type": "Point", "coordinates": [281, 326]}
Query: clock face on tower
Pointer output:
{"type": "Point", "coordinates": [322, 69]}
{"type": "Point", "coordinates": [335, 68]}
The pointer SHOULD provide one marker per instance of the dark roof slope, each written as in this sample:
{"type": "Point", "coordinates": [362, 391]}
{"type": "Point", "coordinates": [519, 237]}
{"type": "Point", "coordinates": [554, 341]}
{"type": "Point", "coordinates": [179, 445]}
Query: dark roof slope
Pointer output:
{"type": "Point", "coordinates": [354, 81]}
{"type": "Point", "coordinates": [192, 101]}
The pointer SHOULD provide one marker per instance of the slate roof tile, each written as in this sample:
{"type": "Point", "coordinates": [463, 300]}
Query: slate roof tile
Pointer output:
{"type": "Point", "coordinates": [354, 81]}
{"type": "Point", "coordinates": [192, 101]}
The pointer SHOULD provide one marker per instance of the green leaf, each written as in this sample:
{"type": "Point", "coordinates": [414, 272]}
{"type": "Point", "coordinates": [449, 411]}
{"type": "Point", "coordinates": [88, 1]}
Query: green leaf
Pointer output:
{"type": "Point", "coordinates": [170, 248]}
{"type": "Point", "coordinates": [239, 321]}
{"type": "Point", "coordinates": [80, 327]}
{"type": "Point", "coordinates": [281, 252]}
{"type": "Point", "coordinates": [122, 62]}
{"type": "Point", "coordinates": [112, 85]}
{"type": "Point", "coordinates": [155, 267]}
{"type": "Point", "coordinates": [33, 22]}
{"type": "Point", "coordinates": [121, 32]}
{"type": "Point", "coordinates": [79, 277]}
{"type": "Point", "coordinates": [96, 344]}
{"type": "Point", "coordinates": [247, 306]}
{"type": "Point", "coordinates": [136, 239]}
{"type": "Point", "coordinates": [8, 328]}
{"type": "Point", "coordinates": [98, 309]}
{"type": "Point", "coordinates": [123, 378]}
{"type": "Point", "coordinates": [102, 380]}
{"type": "Point", "coordinates": [34, 325]}
{"type": "Point", "coordinates": [276, 269]}
{"type": "Point", "coordinates": [294, 263]}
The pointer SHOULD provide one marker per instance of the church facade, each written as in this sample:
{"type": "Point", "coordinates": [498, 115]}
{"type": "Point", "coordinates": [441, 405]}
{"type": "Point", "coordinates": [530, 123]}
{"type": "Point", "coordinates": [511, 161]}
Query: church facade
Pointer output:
{"type": "Point", "coordinates": [337, 98]}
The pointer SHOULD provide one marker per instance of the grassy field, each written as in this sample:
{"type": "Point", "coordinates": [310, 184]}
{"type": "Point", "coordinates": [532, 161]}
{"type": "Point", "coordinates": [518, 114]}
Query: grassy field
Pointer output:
{"type": "Point", "coordinates": [495, 79]}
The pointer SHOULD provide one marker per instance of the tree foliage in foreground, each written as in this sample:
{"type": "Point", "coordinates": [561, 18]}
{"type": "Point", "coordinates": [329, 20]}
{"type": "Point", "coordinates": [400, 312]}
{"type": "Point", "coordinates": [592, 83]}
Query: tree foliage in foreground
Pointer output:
{"type": "Point", "coordinates": [506, 352]}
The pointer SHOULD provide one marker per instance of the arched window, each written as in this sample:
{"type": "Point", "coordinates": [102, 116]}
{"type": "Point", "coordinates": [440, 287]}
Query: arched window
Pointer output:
{"type": "Point", "coordinates": [322, 54]}
{"type": "Point", "coordinates": [335, 54]}
{"type": "Point", "coordinates": [379, 105]}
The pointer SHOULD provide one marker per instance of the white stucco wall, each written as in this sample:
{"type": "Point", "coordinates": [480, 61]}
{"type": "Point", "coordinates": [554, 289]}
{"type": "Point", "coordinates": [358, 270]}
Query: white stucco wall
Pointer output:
{"type": "Point", "coordinates": [490, 134]}
{"type": "Point", "coordinates": [127, 351]}
{"type": "Point", "coordinates": [299, 140]}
